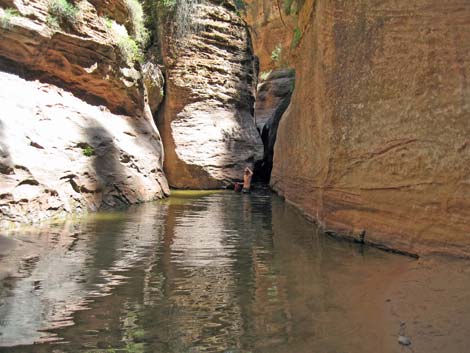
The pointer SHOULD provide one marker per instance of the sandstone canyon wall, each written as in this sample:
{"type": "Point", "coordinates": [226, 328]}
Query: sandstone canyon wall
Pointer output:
{"type": "Point", "coordinates": [76, 128]}
{"type": "Point", "coordinates": [272, 26]}
{"type": "Point", "coordinates": [273, 96]}
{"type": "Point", "coordinates": [375, 143]}
{"type": "Point", "coordinates": [207, 122]}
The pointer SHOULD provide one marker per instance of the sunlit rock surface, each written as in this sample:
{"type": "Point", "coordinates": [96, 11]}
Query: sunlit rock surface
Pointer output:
{"type": "Point", "coordinates": [207, 123]}
{"type": "Point", "coordinates": [82, 57]}
{"type": "Point", "coordinates": [80, 137]}
{"type": "Point", "coordinates": [272, 24]}
{"type": "Point", "coordinates": [60, 154]}
{"type": "Point", "coordinates": [375, 143]}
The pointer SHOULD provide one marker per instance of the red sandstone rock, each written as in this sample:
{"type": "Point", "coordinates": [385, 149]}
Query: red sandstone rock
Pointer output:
{"type": "Point", "coordinates": [85, 61]}
{"type": "Point", "coordinates": [270, 28]}
{"type": "Point", "coordinates": [376, 137]}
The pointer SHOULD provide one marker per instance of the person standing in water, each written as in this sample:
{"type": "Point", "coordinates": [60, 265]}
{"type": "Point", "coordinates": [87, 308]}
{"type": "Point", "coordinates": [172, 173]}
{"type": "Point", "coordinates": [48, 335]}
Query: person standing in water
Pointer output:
{"type": "Point", "coordinates": [247, 180]}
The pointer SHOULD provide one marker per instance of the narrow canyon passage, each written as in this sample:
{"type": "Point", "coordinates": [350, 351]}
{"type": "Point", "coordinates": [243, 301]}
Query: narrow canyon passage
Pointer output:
{"type": "Point", "coordinates": [355, 113]}
{"type": "Point", "coordinates": [220, 272]}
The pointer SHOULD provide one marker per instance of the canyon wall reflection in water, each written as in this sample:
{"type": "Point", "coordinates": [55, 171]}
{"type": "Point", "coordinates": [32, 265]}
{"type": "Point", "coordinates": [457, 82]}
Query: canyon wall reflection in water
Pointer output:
{"type": "Point", "coordinates": [222, 272]}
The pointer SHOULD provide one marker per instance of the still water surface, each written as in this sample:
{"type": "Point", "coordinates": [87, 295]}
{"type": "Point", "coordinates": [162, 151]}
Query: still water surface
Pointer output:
{"type": "Point", "coordinates": [219, 272]}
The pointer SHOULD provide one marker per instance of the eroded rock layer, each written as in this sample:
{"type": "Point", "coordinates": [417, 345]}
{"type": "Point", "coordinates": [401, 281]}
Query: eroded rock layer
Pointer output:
{"type": "Point", "coordinates": [60, 154]}
{"type": "Point", "coordinates": [207, 123]}
{"type": "Point", "coordinates": [375, 143]}
{"type": "Point", "coordinates": [64, 145]}
{"type": "Point", "coordinates": [82, 57]}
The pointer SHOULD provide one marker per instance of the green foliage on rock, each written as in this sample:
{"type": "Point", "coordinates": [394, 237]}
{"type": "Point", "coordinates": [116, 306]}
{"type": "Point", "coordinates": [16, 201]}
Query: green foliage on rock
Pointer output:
{"type": "Point", "coordinates": [167, 3]}
{"type": "Point", "coordinates": [88, 151]}
{"type": "Point", "coordinates": [291, 7]}
{"type": "Point", "coordinates": [108, 22]}
{"type": "Point", "coordinates": [53, 22]}
{"type": "Point", "coordinates": [240, 6]}
{"type": "Point", "coordinates": [287, 6]}
{"type": "Point", "coordinates": [130, 50]}
{"type": "Point", "coordinates": [5, 18]}
{"type": "Point", "coordinates": [140, 34]}
{"type": "Point", "coordinates": [264, 75]}
{"type": "Point", "coordinates": [296, 37]}
{"type": "Point", "coordinates": [276, 54]}
{"type": "Point", "coordinates": [132, 39]}
{"type": "Point", "coordinates": [61, 12]}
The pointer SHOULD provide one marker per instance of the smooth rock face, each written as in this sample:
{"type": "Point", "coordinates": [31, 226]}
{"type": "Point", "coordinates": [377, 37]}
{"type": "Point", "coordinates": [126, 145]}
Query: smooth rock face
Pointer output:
{"type": "Point", "coordinates": [44, 135]}
{"type": "Point", "coordinates": [270, 28]}
{"type": "Point", "coordinates": [376, 139]}
{"type": "Point", "coordinates": [207, 122]}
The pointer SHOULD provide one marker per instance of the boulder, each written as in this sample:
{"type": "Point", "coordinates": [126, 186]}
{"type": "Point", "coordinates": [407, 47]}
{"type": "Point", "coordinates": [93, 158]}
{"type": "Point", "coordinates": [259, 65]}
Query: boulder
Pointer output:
{"type": "Point", "coordinates": [76, 132]}
{"type": "Point", "coordinates": [61, 155]}
{"type": "Point", "coordinates": [207, 123]}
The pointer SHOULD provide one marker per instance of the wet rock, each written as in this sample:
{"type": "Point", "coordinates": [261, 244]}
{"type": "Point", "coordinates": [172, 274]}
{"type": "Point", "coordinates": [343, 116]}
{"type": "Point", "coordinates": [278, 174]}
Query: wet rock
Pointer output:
{"type": "Point", "coordinates": [207, 122]}
{"type": "Point", "coordinates": [404, 341]}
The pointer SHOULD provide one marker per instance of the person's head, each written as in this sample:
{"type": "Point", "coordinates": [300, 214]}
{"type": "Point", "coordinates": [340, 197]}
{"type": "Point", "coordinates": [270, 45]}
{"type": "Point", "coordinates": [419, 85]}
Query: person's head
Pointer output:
{"type": "Point", "coordinates": [247, 171]}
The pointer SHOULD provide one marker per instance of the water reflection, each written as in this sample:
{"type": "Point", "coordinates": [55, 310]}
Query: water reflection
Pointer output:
{"type": "Point", "coordinates": [220, 273]}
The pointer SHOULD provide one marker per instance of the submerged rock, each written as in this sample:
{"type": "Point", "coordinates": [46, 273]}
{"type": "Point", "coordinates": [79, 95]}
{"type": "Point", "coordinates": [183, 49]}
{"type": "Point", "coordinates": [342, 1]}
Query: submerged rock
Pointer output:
{"type": "Point", "coordinates": [404, 341]}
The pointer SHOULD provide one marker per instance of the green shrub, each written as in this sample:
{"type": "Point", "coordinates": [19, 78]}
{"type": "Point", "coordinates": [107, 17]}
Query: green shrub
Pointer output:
{"type": "Point", "coordinates": [62, 12]}
{"type": "Point", "coordinates": [287, 6]}
{"type": "Point", "coordinates": [265, 74]}
{"type": "Point", "coordinates": [130, 50]}
{"type": "Point", "coordinates": [296, 38]}
{"type": "Point", "coordinates": [240, 7]}
{"type": "Point", "coordinates": [5, 19]}
{"type": "Point", "coordinates": [167, 3]}
{"type": "Point", "coordinates": [88, 151]}
{"type": "Point", "coordinates": [276, 54]}
{"type": "Point", "coordinates": [53, 22]}
{"type": "Point", "coordinates": [140, 33]}
{"type": "Point", "coordinates": [108, 22]}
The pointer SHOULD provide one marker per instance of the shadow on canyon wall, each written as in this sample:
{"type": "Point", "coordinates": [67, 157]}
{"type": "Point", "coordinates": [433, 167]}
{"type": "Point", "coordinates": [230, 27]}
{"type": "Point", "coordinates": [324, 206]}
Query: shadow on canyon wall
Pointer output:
{"type": "Point", "coordinates": [110, 175]}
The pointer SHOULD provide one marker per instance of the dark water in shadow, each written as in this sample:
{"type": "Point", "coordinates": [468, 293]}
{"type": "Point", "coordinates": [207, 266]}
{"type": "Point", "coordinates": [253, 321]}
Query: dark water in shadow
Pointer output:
{"type": "Point", "coordinates": [219, 273]}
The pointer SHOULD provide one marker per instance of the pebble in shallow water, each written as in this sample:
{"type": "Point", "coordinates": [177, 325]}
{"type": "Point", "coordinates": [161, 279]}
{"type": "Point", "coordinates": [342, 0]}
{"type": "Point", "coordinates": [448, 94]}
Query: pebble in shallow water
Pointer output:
{"type": "Point", "coordinates": [403, 340]}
